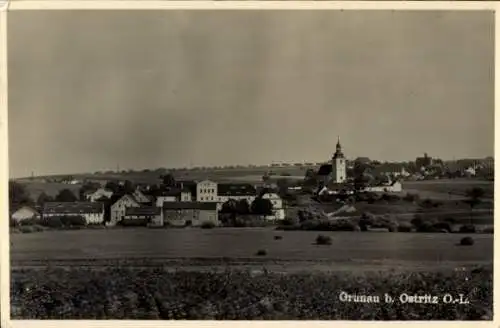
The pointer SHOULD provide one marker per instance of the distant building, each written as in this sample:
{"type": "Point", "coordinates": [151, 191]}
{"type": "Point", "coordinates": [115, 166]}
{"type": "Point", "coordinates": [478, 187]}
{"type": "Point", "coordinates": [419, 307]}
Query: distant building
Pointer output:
{"type": "Point", "coordinates": [190, 213]}
{"type": "Point", "coordinates": [98, 194]}
{"type": "Point", "coordinates": [236, 191]}
{"type": "Point", "coordinates": [92, 212]}
{"type": "Point", "coordinates": [119, 208]}
{"type": "Point", "coordinates": [206, 191]}
{"type": "Point", "coordinates": [336, 171]}
{"type": "Point", "coordinates": [144, 215]}
{"type": "Point", "coordinates": [140, 197]}
{"type": "Point", "coordinates": [25, 213]}
{"type": "Point", "coordinates": [423, 162]}
{"type": "Point", "coordinates": [391, 186]}
{"type": "Point", "coordinates": [278, 210]}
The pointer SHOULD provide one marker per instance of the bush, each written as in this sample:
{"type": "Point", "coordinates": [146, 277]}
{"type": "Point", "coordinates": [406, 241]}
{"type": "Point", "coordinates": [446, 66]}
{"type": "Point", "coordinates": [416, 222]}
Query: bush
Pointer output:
{"type": "Point", "coordinates": [467, 241]}
{"type": "Point", "coordinates": [28, 222]}
{"type": "Point", "coordinates": [323, 240]}
{"type": "Point", "coordinates": [208, 225]}
{"type": "Point", "coordinates": [411, 197]}
{"type": "Point", "coordinates": [488, 230]}
{"type": "Point", "coordinates": [261, 252]}
{"type": "Point", "coordinates": [467, 228]}
{"type": "Point", "coordinates": [405, 227]}
{"type": "Point", "coordinates": [440, 226]}
{"type": "Point", "coordinates": [278, 237]}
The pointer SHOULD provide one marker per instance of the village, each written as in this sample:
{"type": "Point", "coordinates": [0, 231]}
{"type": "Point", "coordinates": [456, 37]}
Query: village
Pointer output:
{"type": "Point", "coordinates": [207, 203]}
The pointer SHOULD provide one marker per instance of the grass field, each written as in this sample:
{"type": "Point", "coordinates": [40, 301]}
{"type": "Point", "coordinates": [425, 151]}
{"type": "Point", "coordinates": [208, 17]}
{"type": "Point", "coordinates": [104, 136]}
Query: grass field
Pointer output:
{"type": "Point", "coordinates": [448, 188]}
{"type": "Point", "coordinates": [199, 243]}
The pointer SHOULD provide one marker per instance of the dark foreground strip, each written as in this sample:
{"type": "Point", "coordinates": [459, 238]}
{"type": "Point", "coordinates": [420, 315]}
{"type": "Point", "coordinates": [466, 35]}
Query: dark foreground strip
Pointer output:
{"type": "Point", "coordinates": [155, 293]}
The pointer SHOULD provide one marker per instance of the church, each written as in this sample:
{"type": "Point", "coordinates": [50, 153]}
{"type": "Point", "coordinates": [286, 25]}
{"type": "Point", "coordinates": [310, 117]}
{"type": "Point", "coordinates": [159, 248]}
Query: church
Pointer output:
{"type": "Point", "coordinates": [335, 172]}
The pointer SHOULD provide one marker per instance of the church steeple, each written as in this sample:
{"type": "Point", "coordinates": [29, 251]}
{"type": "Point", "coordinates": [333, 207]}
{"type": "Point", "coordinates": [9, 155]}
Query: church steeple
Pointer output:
{"type": "Point", "coordinates": [338, 151]}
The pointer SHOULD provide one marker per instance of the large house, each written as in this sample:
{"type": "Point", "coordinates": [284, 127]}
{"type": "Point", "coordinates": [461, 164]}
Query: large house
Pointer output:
{"type": "Point", "coordinates": [278, 210]}
{"type": "Point", "coordinates": [92, 212]}
{"type": "Point", "coordinates": [119, 208]}
{"type": "Point", "coordinates": [147, 215]}
{"type": "Point", "coordinates": [25, 213]}
{"type": "Point", "coordinates": [190, 213]}
{"type": "Point", "coordinates": [206, 191]}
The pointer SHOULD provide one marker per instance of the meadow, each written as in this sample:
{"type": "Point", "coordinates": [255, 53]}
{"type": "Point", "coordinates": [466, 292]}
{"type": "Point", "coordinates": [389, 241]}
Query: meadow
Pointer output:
{"type": "Point", "coordinates": [137, 243]}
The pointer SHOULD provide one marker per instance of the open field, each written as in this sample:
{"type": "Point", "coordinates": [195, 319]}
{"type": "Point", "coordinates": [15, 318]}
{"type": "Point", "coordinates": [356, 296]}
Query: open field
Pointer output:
{"type": "Point", "coordinates": [448, 188]}
{"type": "Point", "coordinates": [34, 189]}
{"type": "Point", "coordinates": [199, 243]}
{"type": "Point", "coordinates": [156, 293]}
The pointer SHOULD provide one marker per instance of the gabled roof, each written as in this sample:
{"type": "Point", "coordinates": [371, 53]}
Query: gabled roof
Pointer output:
{"type": "Point", "coordinates": [189, 206]}
{"type": "Point", "coordinates": [72, 208]}
{"type": "Point", "coordinates": [143, 211]}
{"type": "Point", "coordinates": [34, 209]}
{"type": "Point", "coordinates": [236, 189]}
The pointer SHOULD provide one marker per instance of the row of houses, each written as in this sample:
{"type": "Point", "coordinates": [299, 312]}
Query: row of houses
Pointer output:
{"type": "Point", "coordinates": [193, 203]}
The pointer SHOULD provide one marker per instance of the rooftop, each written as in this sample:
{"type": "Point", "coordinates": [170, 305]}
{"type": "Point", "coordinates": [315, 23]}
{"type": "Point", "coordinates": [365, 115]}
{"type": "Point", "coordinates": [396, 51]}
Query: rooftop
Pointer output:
{"type": "Point", "coordinates": [189, 206]}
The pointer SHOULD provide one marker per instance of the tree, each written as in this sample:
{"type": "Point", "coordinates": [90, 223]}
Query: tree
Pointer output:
{"type": "Point", "coordinates": [262, 206]}
{"type": "Point", "coordinates": [44, 198]}
{"type": "Point", "coordinates": [474, 198]}
{"type": "Point", "coordinates": [242, 207]}
{"type": "Point", "coordinates": [66, 195]}
{"type": "Point", "coordinates": [282, 184]}
{"type": "Point", "coordinates": [18, 194]}
{"type": "Point", "coordinates": [168, 180]}
{"type": "Point", "coordinates": [113, 186]}
{"type": "Point", "coordinates": [310, 179]}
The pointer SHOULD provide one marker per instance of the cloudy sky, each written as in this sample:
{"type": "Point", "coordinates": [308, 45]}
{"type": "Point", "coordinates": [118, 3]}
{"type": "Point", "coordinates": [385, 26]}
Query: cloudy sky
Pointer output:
{"type": "Point", "coordinates": [90, 90]}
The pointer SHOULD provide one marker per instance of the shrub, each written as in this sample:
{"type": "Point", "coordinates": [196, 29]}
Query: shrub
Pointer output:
{"type": "Point", "coordinates": [278, 237]}
{"type": "Point", "coordinates": [261, 252]}
{"type": "Point", "coordinates": [411, 197]}
{"type": "Point", "coordinates": [467, 228]}
{"type": "Point", "coordinates": [440, 226]}
{"type": "Point", "coordinates": [28, 222]}
{"type": "Point", "coordinates": [323, 240]}
{"type": "Point", "coordinates": [208, 225]}
{"type": "Point", "coordinates": [450, 220]}
{"type": "Point", "coordinates": [467, 241]}
{"type": "Point", "coordinates": [488, 230]}
{"type": "Point", "coordinates": [405, 227]}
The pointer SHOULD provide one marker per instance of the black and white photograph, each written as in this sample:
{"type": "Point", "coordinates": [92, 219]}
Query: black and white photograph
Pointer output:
{"type": "Point", "coordinates": [250, 164]}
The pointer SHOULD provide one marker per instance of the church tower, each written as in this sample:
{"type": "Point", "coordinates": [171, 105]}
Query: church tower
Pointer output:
{"type": "Point", "coordinates": [338, 165]}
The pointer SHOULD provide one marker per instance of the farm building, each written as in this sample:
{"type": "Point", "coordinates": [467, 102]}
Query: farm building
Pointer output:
{"type": "Point", "coordinates": [278, 210]}
{"type": "Point", "coordinates": [236, 191]}
{"type": "Point", "coordinates": [25, 213]}
{"type": "Point", "coordinates": [173, 195]}
{"type": "Point", "coordinates": [392, 186]}
{"type": "Point", "coordinates": [119, 207]}
{"type": "Point", "coordinates": [147, 215]}
{"type": "Point", "coordinates": [98, 194]}
{"type": "Point", "coordinates": [190, 213]}
{"type": "Point", "coordinates": [92, 212]}
{"type": "Point", "coordinates": [140, 197]}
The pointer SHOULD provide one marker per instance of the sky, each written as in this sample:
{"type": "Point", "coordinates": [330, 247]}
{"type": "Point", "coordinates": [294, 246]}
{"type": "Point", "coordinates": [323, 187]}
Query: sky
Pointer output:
{"type": "Point", "coordinates": [90, 90]}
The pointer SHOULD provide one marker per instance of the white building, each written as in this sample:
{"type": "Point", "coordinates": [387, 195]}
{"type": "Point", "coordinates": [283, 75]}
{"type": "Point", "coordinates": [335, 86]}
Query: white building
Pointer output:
{"type": "Point", "coordinates": [92, 212]}
{"type": "Point", "coordinates": [206, 191]}
{"type": "Point", "coordinates": [392, 186]}
{"type": "Point", "coordinates": [118, 209]}
{"type": "Point", "coordinates": [278, 210]}
{"type": "Point", "coordinates": [339, 170]}
{"type": "Point", "coordinates": [98, 194]}
{"type": "Point", "coordinates": [25, 213]}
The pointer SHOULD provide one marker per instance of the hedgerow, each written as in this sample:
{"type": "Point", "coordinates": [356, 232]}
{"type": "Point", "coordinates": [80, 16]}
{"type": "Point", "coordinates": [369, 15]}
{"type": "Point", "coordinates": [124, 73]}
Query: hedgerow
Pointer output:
{"type": "Point", "coordinates": [154, 293]}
